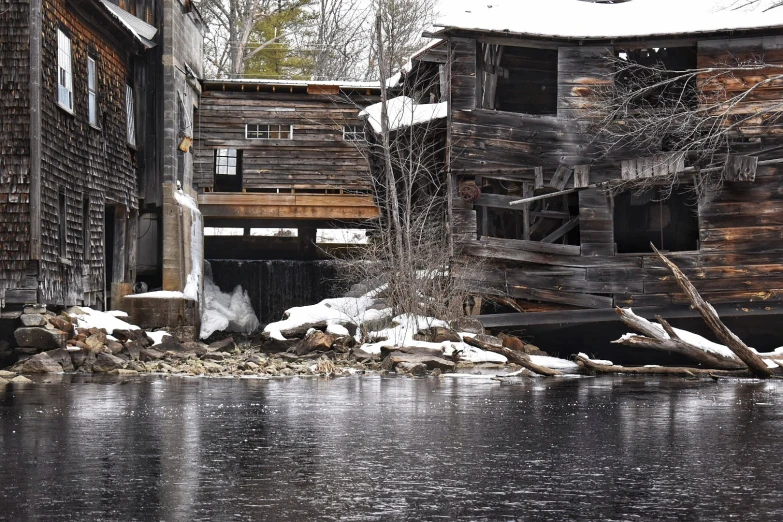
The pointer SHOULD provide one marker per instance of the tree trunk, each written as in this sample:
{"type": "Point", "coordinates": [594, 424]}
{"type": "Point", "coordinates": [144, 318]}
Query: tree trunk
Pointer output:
{"type": "Point", "coordinates": [658, 370]}
{"type": "Point", "coordinates": [518, 358]}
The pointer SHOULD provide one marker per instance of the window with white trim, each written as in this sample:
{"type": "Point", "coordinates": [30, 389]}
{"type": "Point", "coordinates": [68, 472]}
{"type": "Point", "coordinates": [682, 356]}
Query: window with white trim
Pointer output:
{"type": "Point", "coordinates": [354, 133]}
{"type": "Point", "coordinates": [130, 115]}
{"type": "Point", "coordinates": [269, 131]}
{"type": "Point", "coordinates": [226, 162]}
{"type": "Point", "coordinates": [92, 92]}
{"type": "Point", "coordinates": [64, 72]}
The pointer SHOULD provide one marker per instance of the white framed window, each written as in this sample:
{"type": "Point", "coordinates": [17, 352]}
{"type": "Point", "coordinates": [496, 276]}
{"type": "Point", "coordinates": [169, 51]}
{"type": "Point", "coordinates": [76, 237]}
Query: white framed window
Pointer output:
{"type": "Point", "coordinates": [92, 92]}
{"type": "Point", "coordinates": [64, 72]}
{"type": "Point", "coordinates": [354, 133]}
{"type": "Point", "coordinates": [130, 115]}
{"type": "Point", "coordinates": [269, 131]}
{"type": "Point", "coordinates": [226, 162]}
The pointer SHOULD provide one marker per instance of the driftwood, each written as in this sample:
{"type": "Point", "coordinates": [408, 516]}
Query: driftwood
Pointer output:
{"type": "Point", "coordinates": [522, 359]}
{"type": "Point", "coordinates": [658, 370]}
{"type": "Point", "coordinates": [655, 340]}
{"type": "Point", "coordinates": [755, 364]}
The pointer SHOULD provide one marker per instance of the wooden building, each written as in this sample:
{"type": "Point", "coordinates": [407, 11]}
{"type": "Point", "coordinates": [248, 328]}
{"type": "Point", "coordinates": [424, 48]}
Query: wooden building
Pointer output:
{"type": "Point", "coordinates": [523, 94]}
{"type": "Point", "coordinates": [272, 153]}
{"type": "Point", "coordinates": [86, 89]}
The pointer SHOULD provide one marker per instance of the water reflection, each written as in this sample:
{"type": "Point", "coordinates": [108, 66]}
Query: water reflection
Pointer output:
{"type": "Point", "coordinates": [371, 448]}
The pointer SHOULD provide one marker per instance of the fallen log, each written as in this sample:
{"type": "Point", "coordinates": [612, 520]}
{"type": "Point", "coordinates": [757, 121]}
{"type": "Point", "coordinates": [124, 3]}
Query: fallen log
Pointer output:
{"type": "Point", "coordinates": [654, 339]}
{"type": "Point", "coordinates": [658, 370]}
{"type": "Point", "coordinates": [755, 364]}
{"type": "Point", "coordinates": [519, 358]}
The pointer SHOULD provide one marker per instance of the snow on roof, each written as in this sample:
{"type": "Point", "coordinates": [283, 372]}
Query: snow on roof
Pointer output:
{"type": "Point", "coordinates": [404, 112]}
{"type": "Point", "coordinates": [143, 31]}
{"type": "Point", "coordinates": [299, 83]}
{"type": "Point", "coordinates": [395, 80]}
{"type": "Point", "coordinates": [586, 20]}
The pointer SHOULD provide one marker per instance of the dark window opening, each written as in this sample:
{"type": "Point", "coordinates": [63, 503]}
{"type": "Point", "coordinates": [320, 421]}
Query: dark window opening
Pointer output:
{"type": "Point", "coordinates": [647, 67]}
{"type": "Point", "coordinates": [86, 229]}
{"type": "Point", "coordinates": [228, 170]}
{"type": "Point", "coordinates": [517, 79]}
{"type": "Point", "coordinates": [63, 225]}
{"type": "Point", "coordinates": [671, 224]}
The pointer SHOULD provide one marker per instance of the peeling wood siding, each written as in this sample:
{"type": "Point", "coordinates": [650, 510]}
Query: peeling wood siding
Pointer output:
{"type": "Point", "coordinates": [14, 143]}
{"type": "Point", "coordinates": [84, 161]}
{"type": "Point", "coordinates": [316, 157]}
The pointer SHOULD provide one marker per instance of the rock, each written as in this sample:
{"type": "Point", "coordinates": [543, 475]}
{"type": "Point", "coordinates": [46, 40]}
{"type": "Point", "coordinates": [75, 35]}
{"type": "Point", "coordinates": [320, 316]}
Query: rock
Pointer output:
{"type": "Point", "coordinates": [4, 382]}
{"type": "Point", "coordinates": [212, 367]}
{"type": "Point", "coordinates": [62, 324]}
{"type": "Point", "coordinates": [35, 309]}
{"type": "Point", "coordinates": [197, 348]}
{"type": "Point", "coordinates": [25, 352]}
{"type": "Point", "coordinates": [431, 362]}
{"type": "Point", "coordinates": [20, 379]}
{"type": "Point", "coordinates": [438, 334]}
{"type": "Point", "coordinates": [516, 344]}
{"type": "Point", "coordinates": [40, 338]}
{"type": "Point", "coordinates": [132, 349]}
{"type": "Point", "coordinates": [417, 350]}
{"type": "Point", "coordinates": [122, 371]}
{"type": "Point", "coordinates": [88, 362]}
{"type": "Point", "coordinates": [96, 341]}
{"type": "Point", "coordinates": [114, 347]}
{"type": "Point", "coordinates": [5, 374]}
{"type": "Point", "coordinates": [288, 356]}
{"type": "Point", "coordinates": [317, 341]}
{"type": "Point", "coordinates": [39, 363]}
{"type": "Point", "coordinates": [106, 362]}
{"type": "Point", "coordinates": [467, 325]}
{"type": "Point", "coordinates": [77, 358]}
{"type": "Point", "coordinates": [140, 336]}
{"type": "Point", "coordinates": [214, 356]}
{"type": "Point", "coordinates": [412, 368]}
{"type": "Point", "coordinates": [224, 345]}
{"type": "Point", "coordinates": [489, 339]}
{"type": "Point", "coordinates": [33, 319]}
{"type": "Point", "coordinates": [150, 354]}
{"type": "Point", "coordinates": [62, 357]}
{"type": "Point", "coordinates": [361, 356]}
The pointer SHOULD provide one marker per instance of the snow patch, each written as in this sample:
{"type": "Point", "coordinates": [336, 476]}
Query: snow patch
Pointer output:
{"type": "Point", "coordinates": [157, 337]}
{"type": "Point", "coordinates": [88, 318]}
{"type": "Point", "coordinates": [601, 362]}
{"type": "Point", "coordinates": [225, 312]}
{"type": "Point", "coordinates": [160, 294]}
{"type": "Point", "coordinates": [404, 112]}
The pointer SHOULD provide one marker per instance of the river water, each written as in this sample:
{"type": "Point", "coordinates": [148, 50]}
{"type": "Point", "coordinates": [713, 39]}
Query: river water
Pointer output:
{"type": "Point", "coordinates": [384, 448]}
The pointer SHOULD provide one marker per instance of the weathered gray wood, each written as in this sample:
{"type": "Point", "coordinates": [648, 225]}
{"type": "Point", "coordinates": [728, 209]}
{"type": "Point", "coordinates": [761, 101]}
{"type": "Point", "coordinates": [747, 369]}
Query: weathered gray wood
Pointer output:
{"type": "Point", "coordinates": [120, 241]}
{"type": "Point", "coordinates": [539, 174]}
{"type": "Point", "coordinates": [657, 370]}
{"type": "Point", "coordinates": [561, 178]}
{"type": "Point", "coordinates": [563, 230]}
{"type": "Point", "coordinates": [35, 128]}
{"type": "Point", "coordinates": [740, 168]}
{"type": "Point", "coordinates": [581, 176]}
{"type": "Point", "coordinates": [519, 358]}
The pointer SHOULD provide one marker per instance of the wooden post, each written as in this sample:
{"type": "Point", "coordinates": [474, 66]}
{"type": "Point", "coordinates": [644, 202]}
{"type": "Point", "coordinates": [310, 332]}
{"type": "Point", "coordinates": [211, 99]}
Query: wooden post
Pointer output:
{"type": "Point", "coordinates": [539, 177]}
{"type": "Point", "coordinates": [120, 235]}
{"type": "Point", "coordinates": [35, 128]}
{"type": "Point", "coordinates": [132, 246]}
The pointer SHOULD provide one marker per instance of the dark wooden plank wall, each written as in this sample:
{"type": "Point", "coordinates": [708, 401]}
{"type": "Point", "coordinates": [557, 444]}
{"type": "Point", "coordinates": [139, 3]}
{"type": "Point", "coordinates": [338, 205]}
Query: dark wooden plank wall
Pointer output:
{"type": "Point", "coordinates": [317, 157]}
{"type": "Point", "coordinates": [14, 143]}
{"type": "Point", "coordinates": [85, 162]}
{"type": "Point", "coordinates": [741, 229]}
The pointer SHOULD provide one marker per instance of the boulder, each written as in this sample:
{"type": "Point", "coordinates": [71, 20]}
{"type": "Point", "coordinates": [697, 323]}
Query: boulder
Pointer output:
{"type": "Point", "coordinates": [489, 339]}
{"type": "Point", "coordinates": [418, 350]}
{"type": "Point", "coordinates": [412, 368]}
{"type": "Point", "coordinates": [21, 379]}
{"type": "Point", "coordinates": [62, 324]}
{"type": "Point", "coordinates": [429, 361]}
{"type": "Point", "coordinates": [518, 345]}
{"type": "Point", "coordinates": [197, 348]}
{"type": "Point", "coordinates": [121, 371]}
{"type": "Point", "coordinates": [4, 382]}
{"type": "Point", "coordinates": [106, 362]}
{"type": "Point", "coordinates": [132, 349]}
{"type": "Point", "coordinates": [467, 325]}
{"type": "Point", "coordinates": [34, 309]}
{"type": "Point", "coordinates": [62, 357]}
{"type": "Point", "coordinates": [139, 336]}
{"type": "Point", "coordinates": [438, 334]}
{"type": "Point", "coordinates": [214, 356]}
{"type": "Point", "coordinates": [317, 341]}
{"type": "Point", "coordinates": [39, 363]}
{"type": "Point", "coordinates": [150, 354]}
{"type": "Point", "coordinates": [87, 363]}
{"type": "Point", "coordinates": [362, 356]}
{"type": "Point", "coordinates": [223, 345]}
{"type": "Point", "coordinates": [96, 341]}
{"type": "Point", "coordinates": [114, 347]}
{"type": "Point", "coordinates": [77, 358]}
{"type": "Point", "coordinates": [5, 374]}
{"type": "Point", "coordinates": [41, 338]}
{"type": "Point", "coordinates": [33, 319]}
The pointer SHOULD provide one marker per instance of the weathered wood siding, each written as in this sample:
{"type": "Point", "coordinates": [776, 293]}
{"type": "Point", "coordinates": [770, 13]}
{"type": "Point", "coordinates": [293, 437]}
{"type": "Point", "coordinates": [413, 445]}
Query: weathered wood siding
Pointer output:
{"type": "Point", "coordinates": [14, 142]}
{"type": "Point", "coordinates": [316, 158]}
{"type": "Point", "coordinates": [83, 161]}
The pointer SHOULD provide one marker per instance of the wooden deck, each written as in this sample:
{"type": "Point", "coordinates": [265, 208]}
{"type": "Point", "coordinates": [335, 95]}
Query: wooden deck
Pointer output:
{"type": "Point", "coordinates": [288, 206]}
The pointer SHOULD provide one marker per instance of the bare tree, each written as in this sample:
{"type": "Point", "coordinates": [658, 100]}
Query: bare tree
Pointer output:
{"type": "Point", "coordinates": [699, 115]}
{"type": "Point", "coordinates": [338, 40]}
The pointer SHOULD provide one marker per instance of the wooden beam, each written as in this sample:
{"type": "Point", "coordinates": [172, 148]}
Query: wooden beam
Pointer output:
{"type": "Point", "coordinates": [539, 173]}
{"type": "Point", "coordinates": [132, 246]}
{"type": "Point", "coordinates": [561, 178]}
{"type": "Point", "coordinates": [740, 168]}
{"type": "Point", "coordinates": [581, 176]}
{"type": "Point", "coordinates": [120, 234]}
{"type": "Point", "coordinates": [560, 232]}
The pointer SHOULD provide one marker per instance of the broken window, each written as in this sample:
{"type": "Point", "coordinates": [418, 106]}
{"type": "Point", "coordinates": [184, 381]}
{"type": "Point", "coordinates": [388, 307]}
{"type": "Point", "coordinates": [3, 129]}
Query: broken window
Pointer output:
{"type": "Point", "coordinates": [670, 223]}
{"type": "Point", "coordinates": [130, 115]}
{"type": "Point", "coordinates": [517, 79]}
{"type": "Point", "coordinates": [92, 92]}
{"type": "Point", "coordinates": [269, 131]}
{"type": "Point", "coordinates": [64, 72]}
{"type": "Point", "coordinates": [640, 69]}
{"type": "Point", "coordinates": [228, 170]}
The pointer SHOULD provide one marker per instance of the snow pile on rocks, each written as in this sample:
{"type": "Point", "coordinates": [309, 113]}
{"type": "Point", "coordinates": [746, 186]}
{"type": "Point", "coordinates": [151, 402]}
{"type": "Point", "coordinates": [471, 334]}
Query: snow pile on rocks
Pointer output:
{"type": "Point", "coordinates": [224, 312]}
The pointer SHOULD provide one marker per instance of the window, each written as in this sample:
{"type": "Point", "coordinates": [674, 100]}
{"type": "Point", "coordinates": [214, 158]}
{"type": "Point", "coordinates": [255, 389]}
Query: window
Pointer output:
{"type": "Point", "coordinates": [670, 223]}
{"type": "Point", "coordinates": [92, 92]}
{"type": "Point", "coordinates": [62, 224]}
{"type": "Point", "coordinates": [64, 72]}
{"type": "Point", "coordinates": [226, 162]}
{"type": "Point", "coordinates": [354, 133]}
{"type": "Point", "coordinates": [517, 79]}
{"type": "Point", "coordinates": [130, 115]}
{"type": "Point", "coordinates": [228, 170]}
{"type": "Point", "coordinates": [268, 131]}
